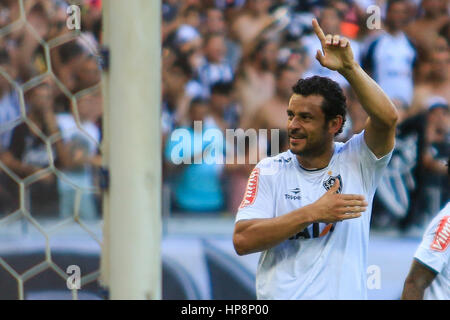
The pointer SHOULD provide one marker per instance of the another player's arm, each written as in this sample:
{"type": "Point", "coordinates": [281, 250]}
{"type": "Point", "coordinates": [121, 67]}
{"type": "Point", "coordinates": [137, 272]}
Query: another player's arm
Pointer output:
{"type": "Point", "coordinates": [261, 234]}
{"type": "Point", "coordinates": [380, 127]}
{"type": "Point", "coordinates": [419, 278]}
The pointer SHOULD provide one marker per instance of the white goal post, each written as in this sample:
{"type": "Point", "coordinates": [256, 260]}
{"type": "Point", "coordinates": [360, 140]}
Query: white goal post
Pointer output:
{"type": "Point", "coordinates": [131, 259]}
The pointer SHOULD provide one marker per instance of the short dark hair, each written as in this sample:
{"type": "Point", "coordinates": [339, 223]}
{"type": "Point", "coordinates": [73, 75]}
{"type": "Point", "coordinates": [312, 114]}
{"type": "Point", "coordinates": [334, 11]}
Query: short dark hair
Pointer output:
{"type": "Point", "coordinates": [212, 35]}
{"type": "Point", "coordinates": [334, 101]}
{"type": "Point", "coordinates": [339, 13]}
{"type": "Point", "coordinates": [390, 3]}
{"type": "Point", "coordinates": [282, 68]}
{"type": "Point", "coordinates": [198, 101]}
{"type": "Point", "coordinates": [69, 51]}
{"type": "Point", "coordinates": [190, 9]}
{"type": "Point", "coordinates": [260, 45]}
{"type": "Point", "coordinates": [222, 87]}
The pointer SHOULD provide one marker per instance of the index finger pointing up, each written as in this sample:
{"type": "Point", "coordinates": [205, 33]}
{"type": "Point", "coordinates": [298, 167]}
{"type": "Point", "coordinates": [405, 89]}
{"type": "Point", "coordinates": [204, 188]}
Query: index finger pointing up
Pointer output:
{"type": "Point", "coordinates": [318, 31]}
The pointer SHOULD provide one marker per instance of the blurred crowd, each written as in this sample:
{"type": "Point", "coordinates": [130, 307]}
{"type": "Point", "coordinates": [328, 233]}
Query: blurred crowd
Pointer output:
{"type": "Point", "coordinates": [229, 64]}
{"type": "Point", "coordinates": [49, 136]}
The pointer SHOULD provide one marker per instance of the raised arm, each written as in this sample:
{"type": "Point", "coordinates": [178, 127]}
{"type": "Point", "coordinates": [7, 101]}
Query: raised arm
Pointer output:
{"type": "Point", "coordinates": [380, 127]}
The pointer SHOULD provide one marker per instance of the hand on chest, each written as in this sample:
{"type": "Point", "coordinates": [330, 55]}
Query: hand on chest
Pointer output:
{"type": "Point", "coordinates": [300, 191]}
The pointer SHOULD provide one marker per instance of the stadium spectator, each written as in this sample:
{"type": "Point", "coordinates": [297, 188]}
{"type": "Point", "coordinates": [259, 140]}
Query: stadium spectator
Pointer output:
{"type": "Point", "coordinates": [357, 117]}
{"type": "Point", "coordinates": [272, 114]}
{"type": "Point", "coordinates": [88, 74]}
{"type": "Point", "coordinates": [215, 23]}
{"type": "Point", "coordinates": [196, 186]}
{"type": "Point", "coordinates": [180, 83]}
{"type": "Point", "coordinates": [66, 60]}
{"type": "Point", "coordinates": [255, 81]}
{"type": "Point", "coordinates": [28, 153]}
{"type": "Point", "coordinates": [23, 58]}
{"type": "Point", "coordinates": [437, 82]}
{"type": "Point", "coordinates": [31, 56]}
{"type": "Point", "coordinates": [331, 19]}
{"type": "Point", "coordinates": [214, 68]}
{"type": "Point", "coordinates": [224, 109]}
{"type": "Point", "coordinates": [190, 63]}
{"type": "Point", "coordinates": [187, 29]}
{"type": "Point", "coordinates": [430, 130]}
{"type": "Point", "coordinates": [391, 56]}
{"type": "Point", "coordinates": [351, 15]}
{"type": "Point", "coordinates": [293, 55]}
{"type": "Point", "coordinates": [92, 19]}
{"type": "Point", "coordinates": [191, 16]}
{"type": "Point", "coordinates": [82, 144]}
{"type": "Point", "coordinates": [9, 102]}
{"type": "Point", "coordinates": [425, 30]}
{"type": "Point", "coordinates": [253, 19]}
{"type": "Point", "coordinates": [169, 10]}
{"type": "Point", "coordinates": [9, 114]}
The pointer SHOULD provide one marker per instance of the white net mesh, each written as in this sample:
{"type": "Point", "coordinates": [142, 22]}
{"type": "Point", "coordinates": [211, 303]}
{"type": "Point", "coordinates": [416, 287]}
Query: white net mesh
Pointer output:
{"type": "Point", "coordinates": [48, 65]}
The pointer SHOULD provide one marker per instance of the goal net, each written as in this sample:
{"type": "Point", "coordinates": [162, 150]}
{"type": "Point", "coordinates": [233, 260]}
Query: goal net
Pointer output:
{"type": "Point", "coordinates": [79, 151]}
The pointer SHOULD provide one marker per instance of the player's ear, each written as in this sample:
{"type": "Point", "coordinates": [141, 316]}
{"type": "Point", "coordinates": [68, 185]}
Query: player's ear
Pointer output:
{"type": "Point", "coordinates": [335, 124]}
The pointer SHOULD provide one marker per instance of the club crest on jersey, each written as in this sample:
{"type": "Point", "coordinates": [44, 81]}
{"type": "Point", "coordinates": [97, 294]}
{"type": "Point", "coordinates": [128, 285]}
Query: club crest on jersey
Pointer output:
{"type": "Point", "coordinates": [282, 159]}
{"type": "Point", "coordinates": [442, 238]}
{"type": "Point", "coordinates": [330, 182]}
{"type": "Point", "coordinates": [251, 190]}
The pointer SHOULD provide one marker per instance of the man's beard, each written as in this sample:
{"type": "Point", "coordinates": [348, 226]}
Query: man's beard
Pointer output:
{"type": "Point", "coordinates": [309, 150]}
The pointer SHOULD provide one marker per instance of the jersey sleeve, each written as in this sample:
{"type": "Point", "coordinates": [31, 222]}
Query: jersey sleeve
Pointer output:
{"type": "Point", "coordinates": [370, 167]}
{"type": "Point", "coordinates": [434, 249]}
{"type": "Point", "coordinates": [258, 200]}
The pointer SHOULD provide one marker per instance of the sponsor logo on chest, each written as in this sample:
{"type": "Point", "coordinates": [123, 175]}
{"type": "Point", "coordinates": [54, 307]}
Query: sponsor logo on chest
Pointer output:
{"type": "Point", "coordinates": [293, 194]}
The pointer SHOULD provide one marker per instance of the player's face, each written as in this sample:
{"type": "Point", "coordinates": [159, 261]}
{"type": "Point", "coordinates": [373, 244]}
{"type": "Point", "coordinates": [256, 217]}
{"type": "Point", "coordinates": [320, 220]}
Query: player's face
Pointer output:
{"type": "Point", "coordinates": [285, 82]}
{"type": "Point", "coordinates": [330, 21]}
{"type": "Point", "coordinates": [307, 130]}
{"type": "Point", "coordinates": [397, 16]}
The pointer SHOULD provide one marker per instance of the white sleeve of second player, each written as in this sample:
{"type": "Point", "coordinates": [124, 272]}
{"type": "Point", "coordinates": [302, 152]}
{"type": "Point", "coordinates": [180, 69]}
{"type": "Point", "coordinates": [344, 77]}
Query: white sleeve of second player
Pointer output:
{"type": "Point", "coordinates": [434, 250]}
{"type": "Point", "coordinates": [258, 202]}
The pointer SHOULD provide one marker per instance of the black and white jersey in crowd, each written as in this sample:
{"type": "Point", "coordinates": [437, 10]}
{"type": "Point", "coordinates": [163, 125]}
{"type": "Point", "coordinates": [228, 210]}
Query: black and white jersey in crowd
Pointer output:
{"type": "Point", "coordinates": [391, 59]}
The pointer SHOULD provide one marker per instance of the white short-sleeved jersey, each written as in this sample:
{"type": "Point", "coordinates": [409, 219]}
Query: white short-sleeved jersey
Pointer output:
{"type": "Point", "coordinates": [434, 252]}
{"type": "Point", "coordinates": [324, 261]}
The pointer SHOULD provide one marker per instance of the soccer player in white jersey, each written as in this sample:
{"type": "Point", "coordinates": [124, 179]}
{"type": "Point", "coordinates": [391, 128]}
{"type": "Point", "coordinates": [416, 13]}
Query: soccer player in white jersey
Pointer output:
{"type": "Point", "coordinates": [308, 209]}
{"type": "Point", "coordinates": [429, 277]}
